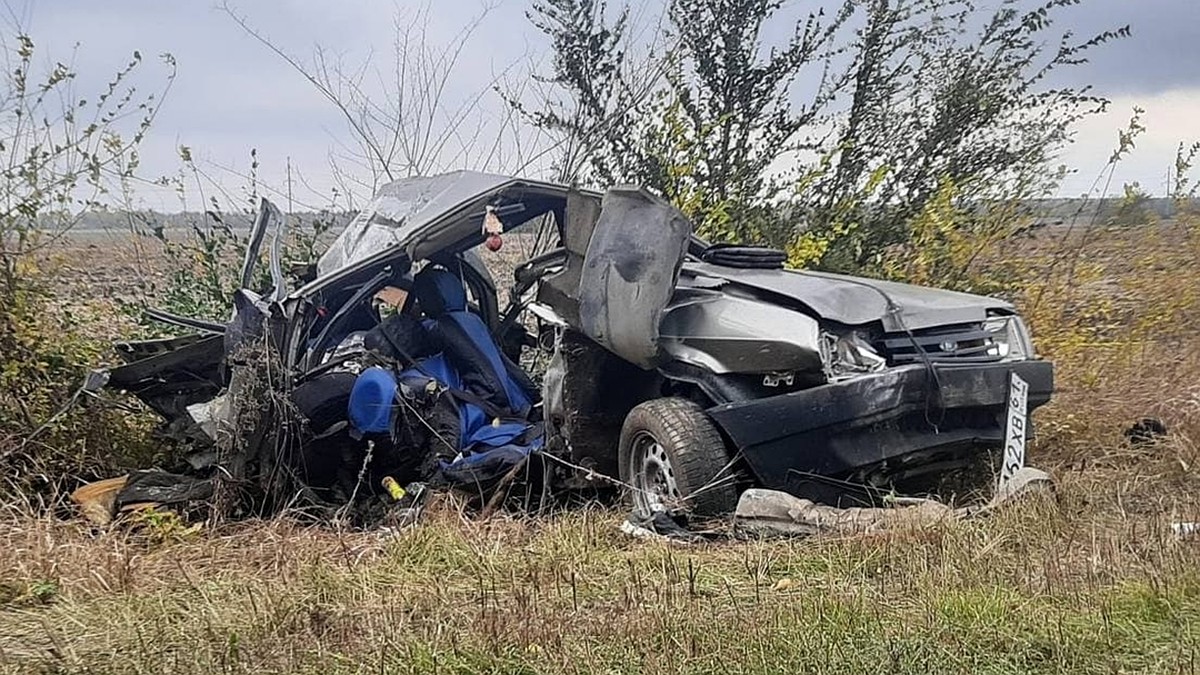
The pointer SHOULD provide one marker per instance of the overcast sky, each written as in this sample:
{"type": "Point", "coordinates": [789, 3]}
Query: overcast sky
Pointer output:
{"type": "Point", "coordinates": [232, 94]}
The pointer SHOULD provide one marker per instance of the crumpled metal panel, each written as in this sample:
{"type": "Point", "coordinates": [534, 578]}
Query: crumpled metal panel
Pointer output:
{"type": "Point", "coordinates": [773, 513]}
{"type": "Point", "coordinates": [169, 375]}
{"type": "Point", "coordinates": [402, 208]}
{"type": "Point", "coordinates": [856, 301]}
{"type": "Point", "coordinates": [629, 273]}
{"type": "Point", "coordinates": [270, 222]}
{"type": "Point", "coordinates": [726, 334]}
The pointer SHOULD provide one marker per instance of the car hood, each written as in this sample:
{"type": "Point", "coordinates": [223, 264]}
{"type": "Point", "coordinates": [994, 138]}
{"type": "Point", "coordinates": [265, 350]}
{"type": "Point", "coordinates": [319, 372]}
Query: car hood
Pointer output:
{"type": "Point", "coordinates": [854, 300]}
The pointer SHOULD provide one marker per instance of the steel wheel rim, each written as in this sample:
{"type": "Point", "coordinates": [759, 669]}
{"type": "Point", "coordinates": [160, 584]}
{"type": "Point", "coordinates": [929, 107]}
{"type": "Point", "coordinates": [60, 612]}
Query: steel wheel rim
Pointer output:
{"type": "Point", "coordinates": [655, 487]}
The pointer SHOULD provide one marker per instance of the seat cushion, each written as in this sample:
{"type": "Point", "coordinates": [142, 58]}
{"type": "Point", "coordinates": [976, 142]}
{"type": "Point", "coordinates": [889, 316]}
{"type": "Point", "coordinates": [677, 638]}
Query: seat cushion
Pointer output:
{"type": "Point", "coordinates": [469, 347]}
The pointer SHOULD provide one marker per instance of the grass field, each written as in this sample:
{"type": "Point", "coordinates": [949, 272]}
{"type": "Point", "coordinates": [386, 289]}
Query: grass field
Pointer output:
{"type": "Point", "coordinates": [1091, 580]}
{"type": "Point", "coordinates": [1043, 588]}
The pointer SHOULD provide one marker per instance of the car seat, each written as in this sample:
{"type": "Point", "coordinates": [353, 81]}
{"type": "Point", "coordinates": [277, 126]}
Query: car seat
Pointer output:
{"type": "Point", "coordinates": [492, 399]}
{"type": "Point", "coordinates": [489, 379]}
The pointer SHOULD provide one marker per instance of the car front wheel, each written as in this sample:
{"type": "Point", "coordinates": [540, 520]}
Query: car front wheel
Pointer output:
{"type": "Point", "coordinates": [674, 459]}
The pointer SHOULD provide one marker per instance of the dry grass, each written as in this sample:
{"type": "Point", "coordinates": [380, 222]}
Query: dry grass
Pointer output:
{"type": "Point", "coordinates": [1043, 588]}
{"type": "Point", "coordinates": [1093, 581]}
{"type": "Point", "coordinates": [1046, 587]}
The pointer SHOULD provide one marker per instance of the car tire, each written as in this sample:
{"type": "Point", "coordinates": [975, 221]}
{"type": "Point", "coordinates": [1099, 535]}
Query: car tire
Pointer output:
{"type": "Point", "coordinates": [675, 459]}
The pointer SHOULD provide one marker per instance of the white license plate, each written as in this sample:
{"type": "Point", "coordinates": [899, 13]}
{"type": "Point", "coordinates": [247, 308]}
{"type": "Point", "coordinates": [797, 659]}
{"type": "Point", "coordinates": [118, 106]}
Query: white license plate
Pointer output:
{"type": "Point", "coordinates": [1015, 429]}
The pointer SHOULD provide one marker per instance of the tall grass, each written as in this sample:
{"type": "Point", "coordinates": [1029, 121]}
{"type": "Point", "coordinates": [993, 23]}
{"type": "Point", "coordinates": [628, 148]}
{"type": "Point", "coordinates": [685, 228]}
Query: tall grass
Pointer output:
{"type": "Point", "coordinates": [1044, 587]}
{"type": "Point", "coordinates": [1091, 580]}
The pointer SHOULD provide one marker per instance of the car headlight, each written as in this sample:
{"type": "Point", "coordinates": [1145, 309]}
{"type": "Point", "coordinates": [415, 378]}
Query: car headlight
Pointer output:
{"type": "Point", "coordinates": [848, 356]}
{"type": "Point", "coordinates": [1009, 338]}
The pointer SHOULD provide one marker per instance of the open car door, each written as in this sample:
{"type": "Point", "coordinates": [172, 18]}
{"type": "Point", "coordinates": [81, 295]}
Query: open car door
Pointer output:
{"type": "Point", "coordinates": [629, 273]}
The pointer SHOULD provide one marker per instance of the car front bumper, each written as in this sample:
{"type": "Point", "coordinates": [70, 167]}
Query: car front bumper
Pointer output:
{"type": "Point", "coordinates": [836, 429]}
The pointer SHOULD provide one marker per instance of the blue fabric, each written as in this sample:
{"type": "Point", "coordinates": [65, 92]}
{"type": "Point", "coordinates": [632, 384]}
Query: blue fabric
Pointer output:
{"type": "Point", "coordinates": [475, 427]}
{"type": "Point", "coordinates": [494, 435]}
{"type": "Point", "coordinates": [439, 368]}
{"type": "Point", "coordinates": [438, 291]}
{"type": "Point", "coordinates": [454, 298]}
{"type": "Point", "coordinates": [468, 342]}
{"type": "Point", "coordinates": [483, 467]}
{"type": "Point", "coordinates": [489, 451]}
{"type": "Point", "coordinates": [488, 448]}
{"type": "Point", "coordinates": [371, 401]}
{"type": "Point", "coordinates": [481, 337]}
{"type": "Point", "coordinates": [435, 366]}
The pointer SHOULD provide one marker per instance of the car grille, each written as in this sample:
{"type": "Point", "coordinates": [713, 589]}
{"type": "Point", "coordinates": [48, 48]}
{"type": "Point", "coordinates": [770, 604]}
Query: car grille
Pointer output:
{"type": "Point", "coordinates": [946, 344]}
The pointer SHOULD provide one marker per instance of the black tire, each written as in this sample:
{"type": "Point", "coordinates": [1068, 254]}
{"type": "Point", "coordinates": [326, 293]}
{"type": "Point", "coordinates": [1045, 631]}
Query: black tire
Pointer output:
{"type": "Point", "coordinates": [690, 457]}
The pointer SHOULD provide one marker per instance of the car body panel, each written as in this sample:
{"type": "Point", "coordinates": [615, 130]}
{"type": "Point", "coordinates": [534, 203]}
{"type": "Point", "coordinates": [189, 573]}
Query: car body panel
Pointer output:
{"type": "Point", "coordinates": [421, 216]}
{"type": "Point", "coordinates": [269, 223]}
{"type": "Point", "coordinates": [170, 374]}
{"type": "Point", "coordinates": [858, 301]}
{"type": "Point", "coordinates": [727, 334]}
{"type": "Point", "coordinates": [629, 273]}
{"type": "Point", "coordinates": [401, 208]}
{"type": "Point", "coordinates": [839, 429]}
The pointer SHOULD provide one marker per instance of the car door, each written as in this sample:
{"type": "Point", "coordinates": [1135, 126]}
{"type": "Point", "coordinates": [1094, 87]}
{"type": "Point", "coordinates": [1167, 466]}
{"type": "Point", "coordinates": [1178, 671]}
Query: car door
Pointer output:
{"type": "Point", "coordinates": [629, 273]}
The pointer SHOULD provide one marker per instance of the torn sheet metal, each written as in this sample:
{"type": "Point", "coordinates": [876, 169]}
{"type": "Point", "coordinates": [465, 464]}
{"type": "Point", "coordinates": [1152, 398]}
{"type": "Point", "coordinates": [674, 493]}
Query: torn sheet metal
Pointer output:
{"type": "Point", "coordinates": [169, 375]}
{"type": "Point", "coordinates": [210, 414]}
{"type": "Point", "coordinates": [629, 273]}
{"type": "Point", "coordinates": [770, 512]}
{"type": "Point", "coordinates": [270, 224]}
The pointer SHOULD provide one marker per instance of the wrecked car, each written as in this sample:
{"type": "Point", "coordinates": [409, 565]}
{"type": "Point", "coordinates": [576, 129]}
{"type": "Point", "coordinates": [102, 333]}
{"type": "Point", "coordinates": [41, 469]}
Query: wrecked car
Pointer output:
{"type": "Point", "coordinates": [626, 349]}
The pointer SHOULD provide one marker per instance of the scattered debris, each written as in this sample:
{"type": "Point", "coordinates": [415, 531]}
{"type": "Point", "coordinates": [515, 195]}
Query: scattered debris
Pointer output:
{"type": "Point", "coordinates": [208, 415]}
{"type": "Point", "coordinates": [659, 525]}
{"type": "Point", "coordinates": [98, 501]}
{"type": "Point", "coordinates": [409, 504]}
{"type": "Point", "coordinates": [1024, 481]}
{"type": "Point", "coordinates": [160, 487]}
{"type": "Point", "coordinates": [773, 513]}
{"type": "Point", "coordinates": [101, 500]}
{"type": "Point", "coordinates": [783, 585]}
{"type": "Point", "coordinates": [1145, 431]}
{"type": "Point", "coordinates": [770, 512]}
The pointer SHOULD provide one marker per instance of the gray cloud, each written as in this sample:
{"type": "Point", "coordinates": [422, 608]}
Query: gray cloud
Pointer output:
{"type": "Point", "coordinates": [232, 94]}
{"type": "Point", "coordinates": [1160, 55]}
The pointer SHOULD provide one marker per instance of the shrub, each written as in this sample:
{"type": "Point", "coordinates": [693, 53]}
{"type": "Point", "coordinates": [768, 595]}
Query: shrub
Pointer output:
{"type": "Point", "coordinates": [64, 153]}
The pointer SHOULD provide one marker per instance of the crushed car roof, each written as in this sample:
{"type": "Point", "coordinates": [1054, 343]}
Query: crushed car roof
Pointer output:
{"type": "Point", "coordinates": [402, 208]}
